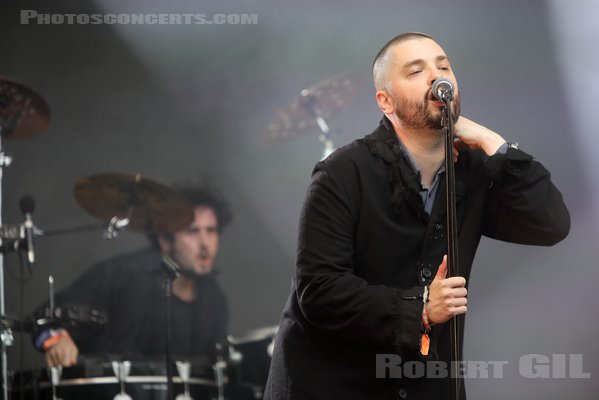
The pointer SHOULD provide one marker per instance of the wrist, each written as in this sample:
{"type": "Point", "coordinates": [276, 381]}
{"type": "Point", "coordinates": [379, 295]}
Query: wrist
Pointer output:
{"type": "Point", "coordinates": [492, 143]}
{"type": "Point", "coordinates": [50, 337]}
{"type": "Point", "coordinates": [426, 321]}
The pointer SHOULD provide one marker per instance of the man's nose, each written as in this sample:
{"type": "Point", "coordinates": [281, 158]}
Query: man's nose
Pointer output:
{"type": "Point", "coordinates": [201, 236]}
{"type": "Point", "coordinates": [435, 74]}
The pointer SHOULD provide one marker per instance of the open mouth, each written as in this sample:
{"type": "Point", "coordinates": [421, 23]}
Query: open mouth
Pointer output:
{"type": "Point", "coordinates": [432, 98]}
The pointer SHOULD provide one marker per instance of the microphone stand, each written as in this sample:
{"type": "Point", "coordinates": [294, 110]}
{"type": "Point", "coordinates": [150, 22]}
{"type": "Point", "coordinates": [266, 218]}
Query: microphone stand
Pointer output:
{"type": "Point", "coordinates": [452, 238]}
{"type": "Point", "coordinates": [172, 271]}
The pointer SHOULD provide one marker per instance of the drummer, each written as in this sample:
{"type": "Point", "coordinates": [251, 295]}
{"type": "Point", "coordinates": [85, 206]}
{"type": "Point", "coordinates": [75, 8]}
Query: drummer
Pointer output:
{"type": "Point", "coordinates": [117, 307]}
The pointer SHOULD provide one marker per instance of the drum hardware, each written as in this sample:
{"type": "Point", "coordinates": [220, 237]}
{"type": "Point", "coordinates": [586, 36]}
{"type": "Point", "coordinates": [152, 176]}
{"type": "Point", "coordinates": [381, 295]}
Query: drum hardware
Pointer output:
{"type": "Point", "coordinates": [23, 113]}
{"type": "Point", "coordinates": [250, 356]}
{"type": "Point", "coordinates": [184, 370]}
{"type": "Point", "coordinates": [121, 370]}
{"type": "Point", "coordinates": [219, 374]}
{"type": "Point", "coordinates": [115, 225]}
{"type": "Point", "coordinates": [66, 313]}
{"type": "Point", "coordinates": [51, 293]}
{"type": "Point", "coordinates": [13, 236]}
{"type": "Point", "coordinates": [312, 108]}
{"type": "Point", "coordinates": [235, 357]}
{"type": "Point", "coordinates": [55, 374]}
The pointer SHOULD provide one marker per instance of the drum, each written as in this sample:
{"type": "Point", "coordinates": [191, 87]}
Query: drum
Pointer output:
{"type": "Point", "coordinates": [144, 381]}
{"type": "Point", "coordinates": [249, 361]}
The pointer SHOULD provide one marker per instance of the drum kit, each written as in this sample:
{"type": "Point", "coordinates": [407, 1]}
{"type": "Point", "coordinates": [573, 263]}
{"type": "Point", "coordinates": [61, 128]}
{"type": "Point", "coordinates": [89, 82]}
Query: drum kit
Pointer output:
{"type": "Point", "coordinates": [120, 201]}
{"type": "Point", "coordinates": [130, 201]}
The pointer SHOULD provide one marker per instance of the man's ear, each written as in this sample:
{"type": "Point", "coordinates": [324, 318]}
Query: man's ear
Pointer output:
{"type": "Point", "coordinates": [385, 102]}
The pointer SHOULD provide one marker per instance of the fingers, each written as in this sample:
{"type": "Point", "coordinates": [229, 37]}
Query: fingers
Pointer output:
{"type": "Point", "coordinates": [50, 359]}
{"type": "Point", "coordinates": [454, 282]}
{"type": "Point", "coordinates": [458, 144]}
{"type": "Point", "coordinates": [64, 353]}
{"type": "Point", "coordinates": [447, 297]}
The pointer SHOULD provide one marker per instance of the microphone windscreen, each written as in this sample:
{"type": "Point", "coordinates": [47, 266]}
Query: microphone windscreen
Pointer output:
{"type": "Point", "coordinates": [27, 204]}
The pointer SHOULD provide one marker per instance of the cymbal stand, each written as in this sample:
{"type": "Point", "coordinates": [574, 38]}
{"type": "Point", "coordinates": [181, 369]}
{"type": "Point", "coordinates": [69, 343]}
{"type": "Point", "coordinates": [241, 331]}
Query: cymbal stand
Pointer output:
{"type": "Point", "coordinates": [6, 336]}
{"type": "Point", "coordinates": [309, 101]}
{"type": "Point", "coordinates": [219, 373]}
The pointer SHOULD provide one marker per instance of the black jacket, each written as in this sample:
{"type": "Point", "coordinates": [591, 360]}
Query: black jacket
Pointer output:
{"type": "Point", "coordinates": [367, 248]}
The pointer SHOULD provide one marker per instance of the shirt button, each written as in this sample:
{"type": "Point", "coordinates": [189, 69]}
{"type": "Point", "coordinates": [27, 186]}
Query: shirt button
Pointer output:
{"type": "Point", "coordinates": [403, 393]}
{"type": "Point", "coordinates": [426, 272]}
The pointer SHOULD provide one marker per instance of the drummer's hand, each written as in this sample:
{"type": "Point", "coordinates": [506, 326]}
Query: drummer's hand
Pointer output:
{"type": "Point", "coordinates": [64, 352]}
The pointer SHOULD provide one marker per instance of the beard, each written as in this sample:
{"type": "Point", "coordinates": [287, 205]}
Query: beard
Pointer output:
{"type": "Point", "coordinates": [422, 115]}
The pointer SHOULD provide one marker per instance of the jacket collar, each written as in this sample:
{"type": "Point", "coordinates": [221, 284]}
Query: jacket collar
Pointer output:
{"type": "Point", "coordinates": [403, 178]}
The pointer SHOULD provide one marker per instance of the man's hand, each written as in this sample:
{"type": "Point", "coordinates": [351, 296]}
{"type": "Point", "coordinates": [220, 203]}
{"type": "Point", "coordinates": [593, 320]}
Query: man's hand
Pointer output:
{"type": "Point", "coordinates": [447, 296]}
{"type": "Point", "coordinates": [64, 352]}
{"type": "Point", "coordinates": [475, 136]}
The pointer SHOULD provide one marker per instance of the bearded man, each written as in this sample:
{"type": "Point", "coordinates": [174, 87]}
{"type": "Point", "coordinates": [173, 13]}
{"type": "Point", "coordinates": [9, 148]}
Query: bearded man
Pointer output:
{"type": "Point", "coordinates": [373, 239]}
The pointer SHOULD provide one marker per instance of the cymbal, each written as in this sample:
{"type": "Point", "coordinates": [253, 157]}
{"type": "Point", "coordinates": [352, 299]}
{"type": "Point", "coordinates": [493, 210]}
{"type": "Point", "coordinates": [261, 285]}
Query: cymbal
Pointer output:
{"type": "Point", "coordinates": [23, 112]}
{"type": "Point", "coordinates": [150, 206]}
{"type": "Point", "coordinates": [323, 99]}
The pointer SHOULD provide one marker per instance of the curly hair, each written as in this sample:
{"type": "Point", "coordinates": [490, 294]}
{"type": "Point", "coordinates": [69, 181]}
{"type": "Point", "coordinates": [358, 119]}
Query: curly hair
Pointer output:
{"type": "Point", "coordinates": [202, 195]}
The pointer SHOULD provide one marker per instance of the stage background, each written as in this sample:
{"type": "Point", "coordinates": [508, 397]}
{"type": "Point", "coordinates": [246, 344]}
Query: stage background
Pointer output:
{"type": "Point", "coordinates": [191, 102]}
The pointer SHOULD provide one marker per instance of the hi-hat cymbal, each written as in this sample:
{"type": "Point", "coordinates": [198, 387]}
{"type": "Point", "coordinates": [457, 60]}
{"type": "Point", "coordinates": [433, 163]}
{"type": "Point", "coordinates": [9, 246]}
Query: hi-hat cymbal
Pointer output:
{"type": "Point", "coordinates": [150, 206]}
{"type": "Point", "coordinates": [23, 112]}
{"type": "Point", "coordinates": [323, 100]}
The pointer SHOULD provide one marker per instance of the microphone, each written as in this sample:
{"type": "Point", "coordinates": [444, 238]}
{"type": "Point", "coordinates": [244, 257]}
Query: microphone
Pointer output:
{"type": "Point", "coordinates": [442, 89]}
{"type": "Point", "coordinates": [27, 205]}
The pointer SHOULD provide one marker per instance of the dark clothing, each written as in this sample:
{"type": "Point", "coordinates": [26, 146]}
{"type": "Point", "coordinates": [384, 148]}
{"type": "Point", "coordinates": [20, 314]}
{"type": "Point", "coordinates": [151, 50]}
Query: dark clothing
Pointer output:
{"type": "Point", "coordinates": [128, 292]}
{"type": "Point", "coordinates": [367, 248]}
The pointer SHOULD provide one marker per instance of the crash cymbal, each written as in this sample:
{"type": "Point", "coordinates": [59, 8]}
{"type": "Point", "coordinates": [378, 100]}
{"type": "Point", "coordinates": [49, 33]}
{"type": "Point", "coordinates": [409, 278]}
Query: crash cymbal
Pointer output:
{"type": "Point", "coordinates": [150, 206]}
{"type": "Point", "coordinates": [323, 99]}
{"type": "Point", "coordinates": [23, 112]}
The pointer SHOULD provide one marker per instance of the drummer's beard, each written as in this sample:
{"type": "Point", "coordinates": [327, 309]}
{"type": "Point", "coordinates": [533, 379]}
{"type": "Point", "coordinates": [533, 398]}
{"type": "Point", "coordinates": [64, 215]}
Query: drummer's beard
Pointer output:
{"type": "Point", "coordinates": [189, 272]}
{"type": "Point", "coordinates": [194, 276]}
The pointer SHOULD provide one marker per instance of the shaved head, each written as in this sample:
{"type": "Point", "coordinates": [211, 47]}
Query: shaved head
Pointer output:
{"type": "Point", "coordinates": [384, 58]}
